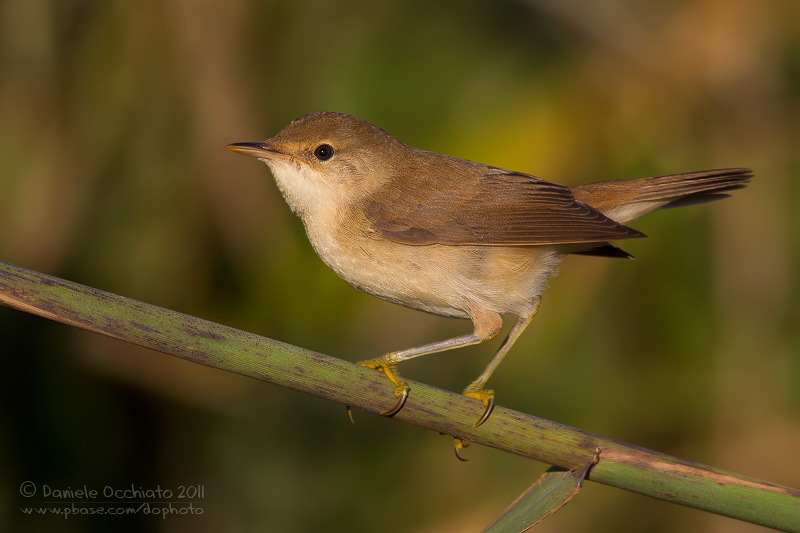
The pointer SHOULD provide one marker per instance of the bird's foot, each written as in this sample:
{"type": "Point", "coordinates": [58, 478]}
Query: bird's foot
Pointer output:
{"type": "Point", "coordinates": [460, 444]}
{"type": "Point", "coordinates": [401, 386]}
{"type": "Point", "coordinates": [486, 397]}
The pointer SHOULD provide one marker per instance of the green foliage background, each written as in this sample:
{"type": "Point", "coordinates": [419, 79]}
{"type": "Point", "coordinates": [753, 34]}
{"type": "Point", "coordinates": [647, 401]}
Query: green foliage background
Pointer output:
{"type": "Point", "coordinates": [113, 173]}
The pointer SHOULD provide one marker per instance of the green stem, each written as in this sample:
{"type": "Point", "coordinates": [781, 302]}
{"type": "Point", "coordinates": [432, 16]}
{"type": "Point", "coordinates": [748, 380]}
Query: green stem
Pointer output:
{"type": "Point", "coordinates": [620, 465]}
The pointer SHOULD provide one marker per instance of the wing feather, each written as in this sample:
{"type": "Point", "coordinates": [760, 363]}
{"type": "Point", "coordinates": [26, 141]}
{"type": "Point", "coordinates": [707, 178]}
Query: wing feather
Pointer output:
{"type": "Point", "coordinates": [494, 208]}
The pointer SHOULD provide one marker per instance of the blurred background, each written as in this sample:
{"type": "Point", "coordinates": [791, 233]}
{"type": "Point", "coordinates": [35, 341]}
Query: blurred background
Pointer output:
{"type": "Point", "coordinates": [114, 118]}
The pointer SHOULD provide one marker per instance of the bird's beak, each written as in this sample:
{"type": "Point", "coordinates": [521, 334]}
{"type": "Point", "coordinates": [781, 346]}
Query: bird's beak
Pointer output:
{"type": "Point", "coordinates": [259, 150]}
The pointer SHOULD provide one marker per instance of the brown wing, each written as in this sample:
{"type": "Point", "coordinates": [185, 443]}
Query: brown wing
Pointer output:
{"type": "Point", "coordinates": [497, 207]}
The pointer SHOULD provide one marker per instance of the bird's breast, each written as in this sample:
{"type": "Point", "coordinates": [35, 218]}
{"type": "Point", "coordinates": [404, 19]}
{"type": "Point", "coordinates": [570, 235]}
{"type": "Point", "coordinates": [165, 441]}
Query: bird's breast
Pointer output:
{"type": "Point", "coordinates": [441, 279]}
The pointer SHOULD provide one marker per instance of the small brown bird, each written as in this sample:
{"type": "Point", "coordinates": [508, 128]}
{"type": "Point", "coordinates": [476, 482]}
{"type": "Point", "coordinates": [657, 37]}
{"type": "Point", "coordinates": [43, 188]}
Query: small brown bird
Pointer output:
{"type": "Point", "coordinates": [449, 236]}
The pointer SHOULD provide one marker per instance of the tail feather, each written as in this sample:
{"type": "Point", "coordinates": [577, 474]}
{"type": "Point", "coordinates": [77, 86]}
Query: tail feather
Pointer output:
{"type": "Point", "coordinates": [627, 200]}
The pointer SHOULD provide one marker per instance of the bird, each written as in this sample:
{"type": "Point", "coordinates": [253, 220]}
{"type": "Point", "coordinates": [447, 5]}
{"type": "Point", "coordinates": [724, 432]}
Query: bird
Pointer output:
{"type": "Point", "coordinates": [450, 236]}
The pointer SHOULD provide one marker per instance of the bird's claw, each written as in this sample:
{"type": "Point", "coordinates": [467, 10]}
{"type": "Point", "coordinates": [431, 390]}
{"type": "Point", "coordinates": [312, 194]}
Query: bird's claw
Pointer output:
{"type": "Point", "coordinates": [487, 413]}
{"type": "Point", "coordinates": [460, 444]}
{"type": "Point", "coordinates": [486, 397]}
{"type": "Point", "coordinates": [401, 387]}
{"type": "Point", "coordinates": [402, 396]}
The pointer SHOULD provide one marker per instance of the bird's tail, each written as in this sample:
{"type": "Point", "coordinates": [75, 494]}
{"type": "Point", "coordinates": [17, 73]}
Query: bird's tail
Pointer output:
{"type": "Point", "coordinates": [627, 200]}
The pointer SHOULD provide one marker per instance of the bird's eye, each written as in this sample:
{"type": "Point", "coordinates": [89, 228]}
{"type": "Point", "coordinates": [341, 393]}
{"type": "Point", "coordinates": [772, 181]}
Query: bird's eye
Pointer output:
{"type": "Point", "coordinates": [323, 152]}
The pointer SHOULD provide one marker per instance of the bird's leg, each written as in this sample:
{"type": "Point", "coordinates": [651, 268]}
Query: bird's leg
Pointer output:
{"type": "Point", "coordinates": [475, 389]}
{"type": "Point", "coordinates": [387, 364]}
{"type": "Point", "coordinates": [487, 325]}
